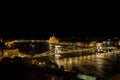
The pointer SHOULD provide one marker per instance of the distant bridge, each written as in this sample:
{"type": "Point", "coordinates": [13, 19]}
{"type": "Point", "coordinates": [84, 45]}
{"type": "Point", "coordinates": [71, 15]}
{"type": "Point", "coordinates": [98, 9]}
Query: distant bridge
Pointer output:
{"type": "Point", "coordinates": [9, 43]}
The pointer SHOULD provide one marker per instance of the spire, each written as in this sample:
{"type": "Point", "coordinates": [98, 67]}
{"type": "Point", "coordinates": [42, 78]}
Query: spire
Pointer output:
{"type": "Point", "coordinates": [53, 39]}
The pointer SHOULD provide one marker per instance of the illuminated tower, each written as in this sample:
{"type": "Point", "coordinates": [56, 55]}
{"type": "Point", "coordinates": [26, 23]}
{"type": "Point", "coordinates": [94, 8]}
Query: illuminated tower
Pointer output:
{"type": "Point", "coordinates": [53, 40]}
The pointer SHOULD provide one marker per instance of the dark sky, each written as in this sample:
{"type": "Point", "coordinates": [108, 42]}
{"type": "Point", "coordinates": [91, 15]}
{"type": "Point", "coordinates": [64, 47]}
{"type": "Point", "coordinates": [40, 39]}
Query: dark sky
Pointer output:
{"type": "Point", "coordinates": [42, 34]}
{"type": "Point", "coordinates": [61, 22]}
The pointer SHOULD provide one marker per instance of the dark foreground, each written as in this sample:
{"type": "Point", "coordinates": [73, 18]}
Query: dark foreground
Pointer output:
{"type": "Point", "coordinates": [17, 69]}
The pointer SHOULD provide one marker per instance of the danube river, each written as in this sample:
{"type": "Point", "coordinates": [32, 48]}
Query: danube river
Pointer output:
{"type": "Point", "coordinates": [98, 65]}
{"type": "Point", "coordinates": [102, 65]}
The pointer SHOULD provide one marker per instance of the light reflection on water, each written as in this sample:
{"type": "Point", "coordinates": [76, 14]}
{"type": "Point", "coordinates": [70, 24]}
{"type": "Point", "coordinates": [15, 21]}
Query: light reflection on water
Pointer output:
{"type": "Point", "coordinates": [94, 64]}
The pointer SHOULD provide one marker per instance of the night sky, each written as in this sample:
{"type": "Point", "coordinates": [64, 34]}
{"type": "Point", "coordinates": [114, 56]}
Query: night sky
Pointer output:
{"type": "Point", "coordinates": [62, 22]}
{"type": "Point", "coordinates": [66, 33]}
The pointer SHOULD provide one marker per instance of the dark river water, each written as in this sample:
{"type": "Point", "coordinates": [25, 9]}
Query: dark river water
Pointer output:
{"type": "Point", "coordinates": [102, 65]}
